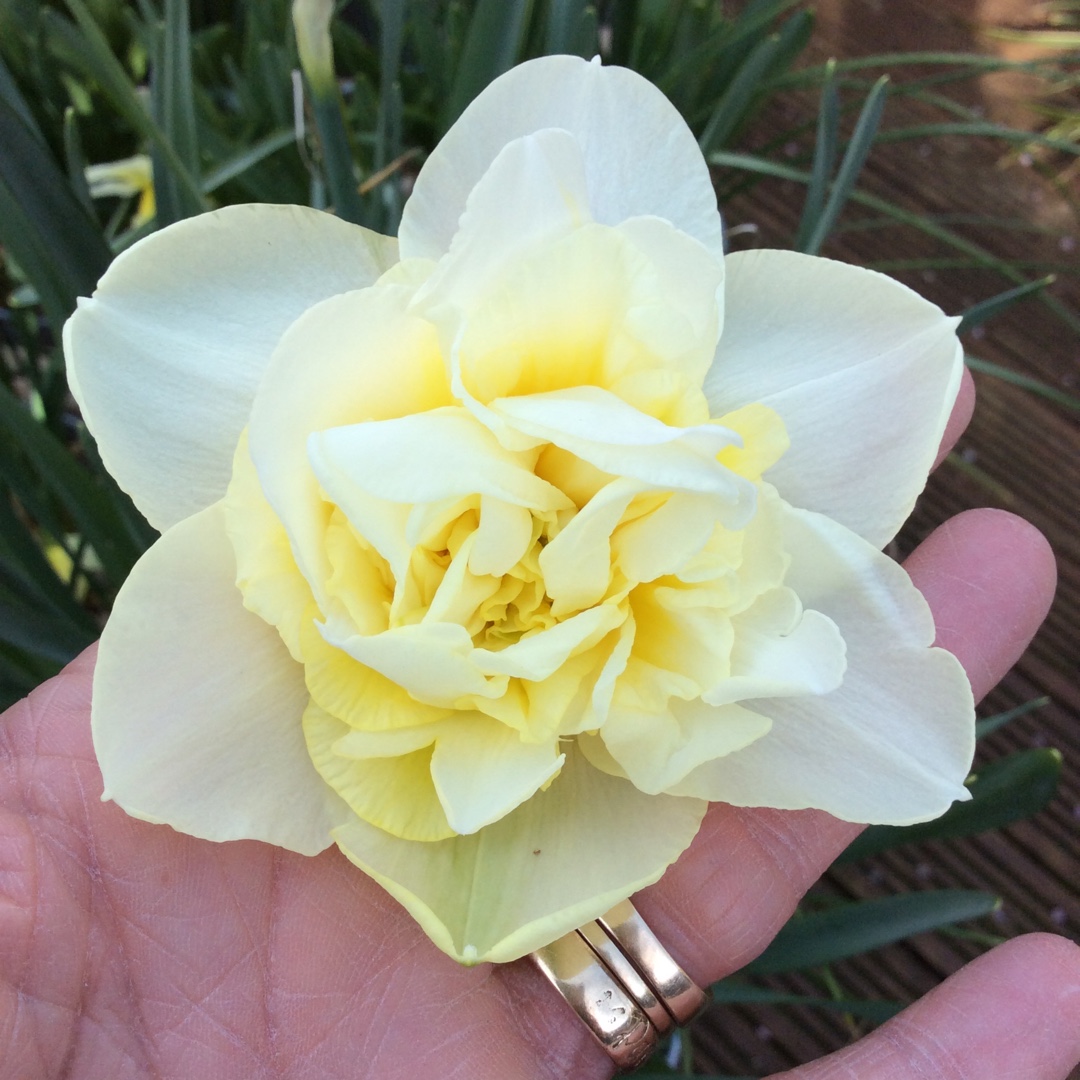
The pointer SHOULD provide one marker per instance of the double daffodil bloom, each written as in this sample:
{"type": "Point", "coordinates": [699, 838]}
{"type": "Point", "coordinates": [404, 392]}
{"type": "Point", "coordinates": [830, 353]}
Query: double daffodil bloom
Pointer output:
{"type": "Point", "coordinates": [493, 552]}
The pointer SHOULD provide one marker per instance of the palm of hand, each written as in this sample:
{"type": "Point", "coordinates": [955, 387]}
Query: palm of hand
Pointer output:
{"type": "Point", "coordinates": [138, 951]}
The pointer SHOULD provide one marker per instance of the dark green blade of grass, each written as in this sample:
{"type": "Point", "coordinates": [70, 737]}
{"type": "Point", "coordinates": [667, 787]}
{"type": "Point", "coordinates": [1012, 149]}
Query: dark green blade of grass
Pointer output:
{"type": "Point", "coordinates": [571, 28]}
{"type": "Point", "coordinates": [96, 519]}
{"type": "Point", "coordinates": [43, 224]}
{"type": "Point", "coordinates": [1025, 382]}
{"type": "Point", "coordinates": [825, 149]}
{"type": "Point", "coordinates": [999, 720]}
{"type": "Point", "coordinates": [809, 941]}
{"type": "Point", "coordinates": [990, 308]}
{"type": "Point", "coordinates": [736, 100]}
{"type": "Point", "coordinates": [172, 102]}
{"type": "Point", "coordinates": [736, 992]}
{"type": "Point", "coordinates": [86, 49]}
{"type": "Point", "coordinates": [862, 140]}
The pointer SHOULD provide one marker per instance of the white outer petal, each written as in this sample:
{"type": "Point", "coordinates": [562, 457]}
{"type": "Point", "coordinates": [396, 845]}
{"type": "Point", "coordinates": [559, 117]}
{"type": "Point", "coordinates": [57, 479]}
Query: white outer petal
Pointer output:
{"type": "Point", "coordinates": [640, 157]}
{"type": "Point", "coordinates": [165, 359]}
{"type": "Point", "coordinates": [862, 371]}
{"type": "Point", "coordinates": [893, 744]}
{"type": "Point", "coordinates": [197, 704]}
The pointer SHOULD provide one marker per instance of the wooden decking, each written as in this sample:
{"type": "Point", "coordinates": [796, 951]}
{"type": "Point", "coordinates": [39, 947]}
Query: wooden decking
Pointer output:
{"type": "Point", "coordinates": [1021, 453]}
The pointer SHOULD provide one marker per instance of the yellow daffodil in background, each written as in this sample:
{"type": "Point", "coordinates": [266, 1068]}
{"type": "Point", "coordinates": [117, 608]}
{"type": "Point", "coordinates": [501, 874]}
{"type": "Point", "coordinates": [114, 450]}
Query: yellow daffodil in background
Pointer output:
{"type": "Point", "coordinates": [492, 552]}
{"type": "Point", "coordinates": [124, 178]}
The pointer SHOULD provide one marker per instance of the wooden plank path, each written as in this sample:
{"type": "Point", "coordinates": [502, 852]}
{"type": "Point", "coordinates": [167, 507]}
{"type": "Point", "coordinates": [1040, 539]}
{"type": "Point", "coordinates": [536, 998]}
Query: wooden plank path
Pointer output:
{"type": "Point", "coordinates": [1021, 453]}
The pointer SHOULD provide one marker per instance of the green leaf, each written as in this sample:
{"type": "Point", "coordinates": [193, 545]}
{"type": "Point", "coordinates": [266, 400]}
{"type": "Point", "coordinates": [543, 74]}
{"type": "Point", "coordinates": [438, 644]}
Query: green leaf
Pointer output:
{"type": "Point", "coordinates": [624, 22]}
{"type": "Point", "coordinates": [388, 127]}
{"type": "Point", "coordinates": [42, 223]}
{"type": "Point", "coordinates": [825, 150]}
{"type": "Point", "coordinates": [326, 109]}
{"type": "Point", "coordinates": [492, 46]}
{"type": "Point", "coordinates": [808, 941]}
{"type": "Point", "coordinates": [735, 992]}
{"type": "Point", "coordinates": [794, 35]}
{"type": "Point", "coordinates": [571, 28]}
{"type": "Point", "coordinates": [27, 578]}
{"type": "Point", "coordinates": [41, 634]}
{"type": "Point", "coordinates": [733, 106]}
{"type": "Point", "coordinates": [89, 505]}
{"type": "Point", "coordinates": [995, 305]}
{"type": "Point", "coordinates": [1025, 382]}
{"type": "Point", "coordinates": [75, 160]}
{"type": "Point", "coordinates": [246, 158]}
{"type": "Point", "coordinates": [173, 105]}
{"type": "Point", "coordinates": [981, 129]}
{"type": "Point", "coordinates": [992, 723]}
{"type": "Point", "coordinates": [86, 49]}
{"type": "Point", "coordinates": [337, 157]}
{"type": "Point", "coordinates": [9, 94]}
{"type": "Point", "coordinates": [1008, 790]}
{"type": "Point", "coordinates": [754, 20]}
{"type": "Point", "coordinates": [862, 139]}
{"type": "Point", "coordinates": [19, 674]}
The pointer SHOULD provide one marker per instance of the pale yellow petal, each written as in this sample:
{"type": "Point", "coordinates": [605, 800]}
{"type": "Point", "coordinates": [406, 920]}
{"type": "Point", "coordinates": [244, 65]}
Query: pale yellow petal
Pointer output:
{"type": "Point", "coordinates": [656, 750]}
{"type": "Point", "coordinates": [356, 357]}
{"type": "Point", "coordinates": [432, 661]}
{"type": "Point", "coordinates": [266, 572]}
{"type": "Point", "coordinates": [616, 438]}
{"type": "Point", "coordinates": [901, 722]}
{"type": "Point", "coordinates": [354, 692]}
{"type": "Point", "coordinates": [392, 793]}
{"type": "Point", "coordinates": [483, 770]}
{"type": "Point", "coordinates": [540, 656]}
{"type": "Point", "coordinates": [197, 703]}
{"type": "Point", "coordinates": [429, 457]}
{"type": "Point", "coordinates": [504, 535]}
{"type": "Point", "coordinates": [577, 563]}
{"type": "Point", "coordinates": [551, 865]}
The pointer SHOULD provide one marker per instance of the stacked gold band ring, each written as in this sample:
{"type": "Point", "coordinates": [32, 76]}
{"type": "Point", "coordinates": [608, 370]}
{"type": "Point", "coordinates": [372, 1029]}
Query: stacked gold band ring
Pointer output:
{"type": "Point", "coordinates": [622, 983]}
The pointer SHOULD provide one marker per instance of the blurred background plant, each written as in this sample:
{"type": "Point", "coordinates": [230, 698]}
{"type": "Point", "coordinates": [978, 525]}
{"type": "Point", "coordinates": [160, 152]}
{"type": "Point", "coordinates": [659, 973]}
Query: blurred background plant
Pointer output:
{"type": "Point", "coordinates": [118, 118]}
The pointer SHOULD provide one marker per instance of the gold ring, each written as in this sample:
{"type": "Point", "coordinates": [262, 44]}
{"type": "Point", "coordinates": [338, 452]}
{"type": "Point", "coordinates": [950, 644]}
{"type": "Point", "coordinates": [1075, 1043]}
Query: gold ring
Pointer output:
{"type": "Point", "coordinates": [622, 983]}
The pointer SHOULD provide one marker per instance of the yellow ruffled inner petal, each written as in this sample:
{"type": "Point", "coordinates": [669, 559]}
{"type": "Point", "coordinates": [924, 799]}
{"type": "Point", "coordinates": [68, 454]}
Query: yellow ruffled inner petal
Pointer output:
{"type": "Point", "coordinates": [587, 576]}
{"type": "Point", "coordinates": [765, 440]}
{"type": "Point", "coordinates": [394, 793]}
{"type": "Point", "coordinates": [552, 322]}
{"type": "Point", "coordinates": [266, 572]}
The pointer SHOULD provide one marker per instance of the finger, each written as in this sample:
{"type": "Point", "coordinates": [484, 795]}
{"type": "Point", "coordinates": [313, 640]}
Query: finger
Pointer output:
{"type": "Point", "coordinates": [1014, 1012]}
{"type": "Point", "coordinates": [960, 417]}
{"type": "Point", "coordinates": [989, 578]}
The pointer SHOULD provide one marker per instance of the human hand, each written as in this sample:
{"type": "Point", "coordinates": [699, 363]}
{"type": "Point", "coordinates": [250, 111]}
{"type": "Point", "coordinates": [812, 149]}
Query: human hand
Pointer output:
{"type": "Point", "coordinates": [129, 950]}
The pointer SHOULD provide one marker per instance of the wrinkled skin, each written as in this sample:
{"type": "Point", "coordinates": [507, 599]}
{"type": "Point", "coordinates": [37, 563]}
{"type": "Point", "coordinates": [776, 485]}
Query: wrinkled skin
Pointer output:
{"type": "Point", "coordinates": [130, 951]}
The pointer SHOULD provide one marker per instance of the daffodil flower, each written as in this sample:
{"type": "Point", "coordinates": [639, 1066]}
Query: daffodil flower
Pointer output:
{"type": "Point", "coordinates": [493, 552]}
{"type": "Point", "coordinates": [124, 178]}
